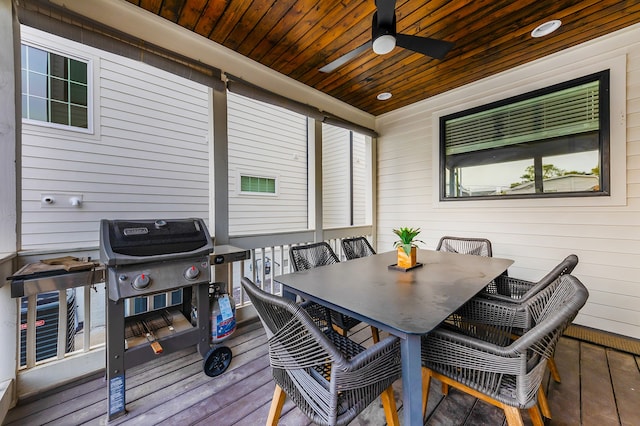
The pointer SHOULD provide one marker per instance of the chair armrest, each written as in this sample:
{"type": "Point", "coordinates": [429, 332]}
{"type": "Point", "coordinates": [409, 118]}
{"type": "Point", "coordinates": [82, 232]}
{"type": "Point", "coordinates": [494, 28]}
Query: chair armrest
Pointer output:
{"type": "Point", "coordinates": [487, 311]}
{"type": "Point", "coordinates": [508, 289]}
{"type": "Point", "coordinates": [377, 364]}
{"type": "Point", "coordinates": [506, 316]}
{"type": "Point", "coordinates": [484, 325]}
{"type": "Point", "coordinates": [388, 347]}
{"type": "Point", "coordinates": [447, 347]}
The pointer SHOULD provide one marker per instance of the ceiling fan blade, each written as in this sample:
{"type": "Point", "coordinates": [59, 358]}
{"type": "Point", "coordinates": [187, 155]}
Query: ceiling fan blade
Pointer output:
{"type": "Point", "coordinates": [425, 45]}
{"type": "Point", "coordinates": [345, 58]}
{"type": "Point", "coordinates": [386, 12]}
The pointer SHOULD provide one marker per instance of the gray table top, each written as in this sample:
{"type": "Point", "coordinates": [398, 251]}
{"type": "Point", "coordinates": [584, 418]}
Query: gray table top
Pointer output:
{"type": "Point", "coordinates": [412, 302]}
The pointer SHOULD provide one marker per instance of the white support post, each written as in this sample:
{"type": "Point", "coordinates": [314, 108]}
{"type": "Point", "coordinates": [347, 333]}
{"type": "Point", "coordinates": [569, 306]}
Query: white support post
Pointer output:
{"type": "Point", "coordinates": [10, 130]}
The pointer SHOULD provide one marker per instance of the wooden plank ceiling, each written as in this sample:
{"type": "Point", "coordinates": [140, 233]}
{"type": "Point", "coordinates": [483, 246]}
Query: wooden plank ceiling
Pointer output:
{"type": "Point", "coordinates": [297, 37]}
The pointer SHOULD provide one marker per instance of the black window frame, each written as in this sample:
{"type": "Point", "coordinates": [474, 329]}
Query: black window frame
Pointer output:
{"type": "Point", "coordinates": [603, 140]}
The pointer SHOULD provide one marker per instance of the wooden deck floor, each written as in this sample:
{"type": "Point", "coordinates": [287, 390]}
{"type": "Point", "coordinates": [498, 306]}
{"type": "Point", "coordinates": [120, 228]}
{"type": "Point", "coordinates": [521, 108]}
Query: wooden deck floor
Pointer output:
{"type": "Point", "coordinates": [600, 386]}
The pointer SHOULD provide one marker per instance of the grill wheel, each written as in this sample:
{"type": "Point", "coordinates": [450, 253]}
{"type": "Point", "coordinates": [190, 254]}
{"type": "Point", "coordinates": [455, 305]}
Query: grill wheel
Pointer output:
{"type": "Point", "coordinates": [217, 360]}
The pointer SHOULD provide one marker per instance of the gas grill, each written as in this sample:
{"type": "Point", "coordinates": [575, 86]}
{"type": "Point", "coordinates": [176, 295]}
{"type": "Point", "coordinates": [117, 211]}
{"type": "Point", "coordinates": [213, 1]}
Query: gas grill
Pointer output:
{"type": "Point", "coordinates": [152, 256]}
{"type": "Point", "coordinates": [145, 257]}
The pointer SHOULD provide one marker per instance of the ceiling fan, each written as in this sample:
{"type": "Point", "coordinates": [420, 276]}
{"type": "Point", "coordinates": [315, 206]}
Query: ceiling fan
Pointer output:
{"type": "Point", "coordinates": [384, 38]}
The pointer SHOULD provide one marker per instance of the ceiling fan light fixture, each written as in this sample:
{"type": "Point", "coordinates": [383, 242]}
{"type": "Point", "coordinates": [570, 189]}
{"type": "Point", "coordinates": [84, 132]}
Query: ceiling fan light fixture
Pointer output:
{"type": "Point", "coordinates": [383, 96]}
{"type": "Point", "coordinates": [384, 39]}
{"type": "Point", "coordinates": [546, 28]}
{"type": "Point", "coordinates": [384, 44]}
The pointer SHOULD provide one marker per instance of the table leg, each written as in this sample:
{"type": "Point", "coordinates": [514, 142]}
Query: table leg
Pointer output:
{"type": "Point", "coordinates": [411, 380]}
{"type": "Point", "coordinates": [288, 294]}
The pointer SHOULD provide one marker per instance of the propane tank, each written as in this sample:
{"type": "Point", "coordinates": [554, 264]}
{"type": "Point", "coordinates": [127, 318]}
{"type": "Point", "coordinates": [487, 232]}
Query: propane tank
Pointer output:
{"type": "Point", "coordinates": [222, 314]}
{"type": "Point", "coordinates": [194, 314]}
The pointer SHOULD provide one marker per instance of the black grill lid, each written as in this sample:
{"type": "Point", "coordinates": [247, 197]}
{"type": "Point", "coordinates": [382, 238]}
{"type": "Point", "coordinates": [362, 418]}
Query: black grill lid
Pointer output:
{"type": "Point", "coordinates": [129, 241]}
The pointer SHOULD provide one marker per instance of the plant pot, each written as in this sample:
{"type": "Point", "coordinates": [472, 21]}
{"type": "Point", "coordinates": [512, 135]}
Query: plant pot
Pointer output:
{"type": "Point", "coordinates": [406, 261]}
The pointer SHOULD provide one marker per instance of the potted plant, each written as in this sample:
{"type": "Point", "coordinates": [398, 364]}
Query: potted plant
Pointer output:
{"type": "Point", "coordinates": [406, 246]}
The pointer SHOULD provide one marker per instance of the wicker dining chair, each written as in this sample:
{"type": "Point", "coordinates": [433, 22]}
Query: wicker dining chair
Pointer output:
{"type": "Point", "coordinates": [480, 358]}
{"type": "Point", "coordinates": [514, 291]}
{"type": "Point", "coordinates": [463, 245]}
{"type": "Point", "coordinates": [312, 255]}
{"type": "Point", "coordinates": [356, 247]}
{"type": "Point", "coordinates": [328, 376]}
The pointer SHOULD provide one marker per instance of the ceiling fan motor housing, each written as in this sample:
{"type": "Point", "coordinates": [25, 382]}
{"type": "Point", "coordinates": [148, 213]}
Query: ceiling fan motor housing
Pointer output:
{"type": "Point", "coordinates": [383, 35]}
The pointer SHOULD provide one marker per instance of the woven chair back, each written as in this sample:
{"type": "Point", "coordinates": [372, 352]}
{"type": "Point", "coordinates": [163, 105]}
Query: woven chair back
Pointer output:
{"type": "Point", "coordinates": [475, 246]}
{"type": "Point", "coordinates": [560, 301]}
{"type": "Point", "coordinates": [357, 247]}
{"type": "Point", "coordinates": [310, 256]}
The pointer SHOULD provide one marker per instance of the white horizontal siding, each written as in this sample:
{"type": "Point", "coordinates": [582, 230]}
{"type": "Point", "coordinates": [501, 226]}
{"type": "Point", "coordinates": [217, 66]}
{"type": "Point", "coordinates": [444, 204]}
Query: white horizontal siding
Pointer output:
{"type": "Point", "coordinates": [361, 180]}
{"type": "Point", "coordinates": [337, 189]}
{"type": "Point", "coordinates": [537, 235]}
{"type": "Point", "coordinates": [271, 142]}
{"type": "Point", "coordinates": [336, 185]}
{"type": "Point", "coordinates": [148, 156]}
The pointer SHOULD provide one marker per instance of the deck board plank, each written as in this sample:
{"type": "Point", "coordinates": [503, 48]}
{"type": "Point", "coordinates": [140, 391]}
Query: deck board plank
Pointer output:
{"type": "Point", "coordinates": [176, 391]}
{"type": "Point", "coordinates": [44, 408]}
{"type": "Point", "coordinates": [213, 399]}
{"type": "Point", "coordinates": [236, 410]}
{"type": "Point", "coordinates": [625, 378]}
{"type": "Point", "coordinates": [193, 385]}
{"type": "Point", "coordinates": [453, 409]}
{"type": "Point", "coordinates": [141, 388]}
{"type": "Point", "coordinates": [564, 397]}
{"type": "Point", "coordinates": [598, 402]}
{"type": "Point", "coordinates": [485, 414]}
{"type": "Point", "coordinates": [259, 414]}
{"type": "Point", "coordinates": [292, 417]}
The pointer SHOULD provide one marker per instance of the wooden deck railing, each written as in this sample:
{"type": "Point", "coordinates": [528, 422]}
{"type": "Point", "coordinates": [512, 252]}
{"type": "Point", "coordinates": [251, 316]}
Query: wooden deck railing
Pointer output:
{"type": "Point", "coordinates": [86, 354]}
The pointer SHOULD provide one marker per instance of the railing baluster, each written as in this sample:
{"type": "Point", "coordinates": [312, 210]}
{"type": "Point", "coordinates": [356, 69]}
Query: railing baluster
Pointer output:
{"type": "Point", "coordinates": [241, 301]}
{"type": "Point", "coordinates": [62, 323]}
{"type": "Point", "coordinates": [32, 302]}
{"type": "Point", "coordinates": [280, 264]}
{"type": "Point", "coordinates": [86, 335]}
{"type": "Point", "coordinates": [270, 274]}
{"type": "Point", "coordinates": [254, 271]}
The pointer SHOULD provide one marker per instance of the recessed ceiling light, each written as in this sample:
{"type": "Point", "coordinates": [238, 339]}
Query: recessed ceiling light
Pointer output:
{"type": "Point", "coordinates": [546, 28]}
{"type": "Point", "coordinates": [384, 96]}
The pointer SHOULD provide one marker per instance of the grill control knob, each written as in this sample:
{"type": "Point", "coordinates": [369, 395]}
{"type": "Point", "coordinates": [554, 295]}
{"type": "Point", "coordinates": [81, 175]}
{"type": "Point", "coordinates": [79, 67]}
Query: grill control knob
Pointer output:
{"type": "Point", "coordinates": [141, 282]}
{"type": "Point", "coordinates": [191, 273]}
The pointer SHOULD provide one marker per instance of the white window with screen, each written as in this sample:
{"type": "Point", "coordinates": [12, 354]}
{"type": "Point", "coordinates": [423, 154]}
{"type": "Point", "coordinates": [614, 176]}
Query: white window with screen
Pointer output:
{"type": "Point", "coordinates": [56, 89]}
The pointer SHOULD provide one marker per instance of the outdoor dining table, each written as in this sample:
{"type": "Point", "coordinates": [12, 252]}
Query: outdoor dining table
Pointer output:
{"type": "Point", "coordinates": [407, 304]}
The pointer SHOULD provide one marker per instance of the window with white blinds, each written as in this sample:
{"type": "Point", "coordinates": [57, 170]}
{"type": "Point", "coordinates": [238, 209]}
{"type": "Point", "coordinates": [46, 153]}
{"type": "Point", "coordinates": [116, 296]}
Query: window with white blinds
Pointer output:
{"type": "Point", "coordinates": [549, 142]}
{"type": "Point", "coordinates": [257, 184]}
